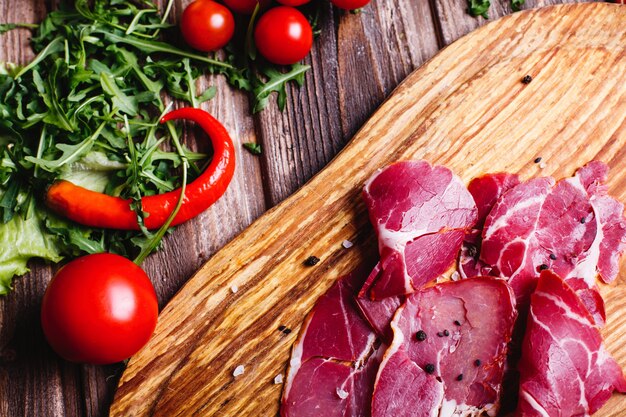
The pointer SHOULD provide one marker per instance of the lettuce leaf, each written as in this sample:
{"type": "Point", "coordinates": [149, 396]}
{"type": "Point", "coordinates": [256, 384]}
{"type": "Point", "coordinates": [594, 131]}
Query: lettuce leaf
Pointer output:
{"type": "Point", "coordinates": [24, 239]}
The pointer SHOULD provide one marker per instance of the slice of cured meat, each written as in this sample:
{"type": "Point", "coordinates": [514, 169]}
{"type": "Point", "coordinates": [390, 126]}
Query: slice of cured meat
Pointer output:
{"type": "Point", "coordinates": [379, 313]}
{"type": "Point", "coordinates": [325, 387]}
{"type": "Point", "coordinates": [486, 190]}
{"type": "Point", "coordinates": [450, 342]}
{"type": "Point", "coordinates": [572, 228]}
{"type": "Point", "coordinates": [404, 389]}
{"type": "Point", "coordinates": [610, 240]}
{"type": "Point", "coordinates": [420, 213]}
{"type": "Point", "coordinates": [335, 359]}
{"type": "Point", "coordinates": [565, 369]}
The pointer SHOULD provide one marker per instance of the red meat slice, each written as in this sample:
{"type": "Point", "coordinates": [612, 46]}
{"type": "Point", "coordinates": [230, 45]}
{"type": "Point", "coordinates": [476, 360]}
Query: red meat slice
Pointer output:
{"type": "Point", "coordinates": [458, 332]}
{"type": "Point", "coordinates": [572, 228]}
{"type": "Point", "coordinates": [565, 369]}
{"type": "Point", "coordinates": [379, 313]}
{"type": "Point", "coordinates": [403, 389]}
{"type": "Point", "coordinates": [486, 190]}
{"type": "Point", "coordinates": [330, 388]}
{"type": "Point", "coordinates": [334, 328]}
{"type": "Point", "coordinates": [420, 214]}
{"type": "Point", "coordinates": [334, 361]}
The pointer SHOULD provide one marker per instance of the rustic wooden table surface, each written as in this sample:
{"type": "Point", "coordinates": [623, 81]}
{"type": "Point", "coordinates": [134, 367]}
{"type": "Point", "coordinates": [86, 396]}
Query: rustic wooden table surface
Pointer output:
{"type": "Point", "coordinates": [356, 62]}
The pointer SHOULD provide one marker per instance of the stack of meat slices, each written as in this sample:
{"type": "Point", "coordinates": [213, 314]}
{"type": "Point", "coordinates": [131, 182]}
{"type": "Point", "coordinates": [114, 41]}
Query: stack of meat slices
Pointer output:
{"type": "Point", "coordinates": [395, 342]}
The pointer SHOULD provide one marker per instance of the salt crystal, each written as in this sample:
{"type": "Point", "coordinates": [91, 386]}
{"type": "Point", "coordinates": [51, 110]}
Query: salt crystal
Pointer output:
{"type": "Point", "coordinates": [455, 276]}
{"type": "Point", "coordinates": [234, 288]}
{"type": "Point", "coordinates": [342, 394]}
{"type": "Point", "coordinates": [347, 244]}
{"type": "Point", "coordinates": [238, 371]}
{"type": "Point", "coordinates": [542, 165]}
{"type": "Point", "coordinates": [278, 379]}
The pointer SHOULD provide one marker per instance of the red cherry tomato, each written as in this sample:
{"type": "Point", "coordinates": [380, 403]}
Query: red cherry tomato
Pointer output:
{"type": "Point", "coordinates": [293, 3]}
{"type": "Point", "coordinates": [207, 25]}
{"type": "Point", "coordinates": [99, 309]}
{"type": "Point", "coordinates": [245, 6]}
{"type": "Point", "coordinates": [350, 4]}
{"type": "Point", "coordinates": [283, 35]}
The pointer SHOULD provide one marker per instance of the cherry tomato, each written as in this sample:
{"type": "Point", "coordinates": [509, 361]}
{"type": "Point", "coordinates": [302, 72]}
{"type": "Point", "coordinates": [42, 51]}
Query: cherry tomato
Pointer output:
{"type": "Point", "coordinates": [99, 309]}
{"type": "Point", "coordinates": [283, 35]}
{"type": "Point", "coordinates": [293, 3]}
{"type": "Point", "coordinates": [350, 4]}
{"type": "Point", "coordinates": [207, 25]}
{"type": "Point", "coordinates": [245, 6]}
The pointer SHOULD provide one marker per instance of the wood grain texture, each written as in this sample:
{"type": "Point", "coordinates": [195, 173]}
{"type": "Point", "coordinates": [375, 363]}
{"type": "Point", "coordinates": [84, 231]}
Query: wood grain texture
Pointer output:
{"type": "Point", "coordinates": [466, 109]}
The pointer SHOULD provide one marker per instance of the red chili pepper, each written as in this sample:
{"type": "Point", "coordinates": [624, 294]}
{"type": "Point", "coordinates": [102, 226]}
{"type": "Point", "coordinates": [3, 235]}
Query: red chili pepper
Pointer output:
{"type": "Point", "coordinates": [95, 209]}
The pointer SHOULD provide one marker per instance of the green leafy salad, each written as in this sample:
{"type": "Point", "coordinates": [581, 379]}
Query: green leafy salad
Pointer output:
{"type": "Point", "coordinates": [87, 109]}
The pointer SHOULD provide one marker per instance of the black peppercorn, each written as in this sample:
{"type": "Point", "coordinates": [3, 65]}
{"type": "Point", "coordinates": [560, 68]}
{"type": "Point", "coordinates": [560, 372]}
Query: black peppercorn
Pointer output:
{"type": "Point", "coordinates": [311, 261]}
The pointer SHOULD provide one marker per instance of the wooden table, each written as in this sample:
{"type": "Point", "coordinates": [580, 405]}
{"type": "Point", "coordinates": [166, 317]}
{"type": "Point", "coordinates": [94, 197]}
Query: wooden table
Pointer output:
{"type": "Point", "coordinates": [356, 62]}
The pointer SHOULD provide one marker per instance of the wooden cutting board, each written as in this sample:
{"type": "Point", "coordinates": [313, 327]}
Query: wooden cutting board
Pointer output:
{"type": "Point", "coordinates": [467, 109]}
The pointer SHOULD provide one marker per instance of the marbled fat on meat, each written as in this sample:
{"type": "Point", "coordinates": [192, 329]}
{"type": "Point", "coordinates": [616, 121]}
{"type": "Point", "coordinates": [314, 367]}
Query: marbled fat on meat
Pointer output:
{"type": "Point", "coordinates": [420, 213]}
{"type": "Point", "coordinates": [572, 228]}
{"type": "Point", "coordinates": [468, 325]}
{"type": "Point", "coordinates": [486, 190]}
{"type": "Point", "coordinates": [565, 369]}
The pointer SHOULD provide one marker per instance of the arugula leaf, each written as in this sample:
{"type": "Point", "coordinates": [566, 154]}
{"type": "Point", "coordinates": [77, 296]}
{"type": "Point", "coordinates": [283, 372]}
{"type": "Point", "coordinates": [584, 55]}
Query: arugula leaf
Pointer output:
{"type": "Point", "coordinates": [479, 8]}
{"type": "Point", "coordinates": [5, 27]}
{"type": "Point", "coordinates": [70, 153]}
{"type": "Point", "coordinates": [56, 46]}
{"type": "Point", "coordinates": [121, 101]}
{"type": "Point", "coordinates": [276, 82]}
{"type": "Point", "coordinates": [516, 5]}
{"type": "Point", "coordinates": [74, 239]}
{"type": "Point", "coordinates": [253, 148]}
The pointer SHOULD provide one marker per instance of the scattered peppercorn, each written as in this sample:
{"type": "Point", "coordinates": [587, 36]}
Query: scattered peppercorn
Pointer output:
{"type": "Point", "coordinates": [458, 323]}
{"type": "Point", "coordinates": [281, 328]}
{"type": "Point", "coordinates": [543, 267]}
{"type": "Point", "coordinates": [311, 261]}
{"type": "Point", "coordinates": [429, 368]}
{"type": "Point", "coordinates": [420, 336]}
{"type": "Point", "coordinates": [583, 220]}
{"type": "Point", "coordinates": [527, 79]}
{"type": "Point", "coordinates": [287, 330]}
{"type": "Point", "coordinates": [440, 334]}
{"type": "Point", "coordinates": [477, 362]}
{"type": "Point", "coordinates": [460, 377]}
{"type": "Point", "coordinates": [537, 160]}
{"type": "Point", "coordinates": [446, 333]}
{"type": "Point", "coordinates": [553, 257]}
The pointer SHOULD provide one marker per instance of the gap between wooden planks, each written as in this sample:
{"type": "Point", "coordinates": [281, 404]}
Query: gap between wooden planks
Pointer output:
{"type": "Point", "coordinates": [466, 109]}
